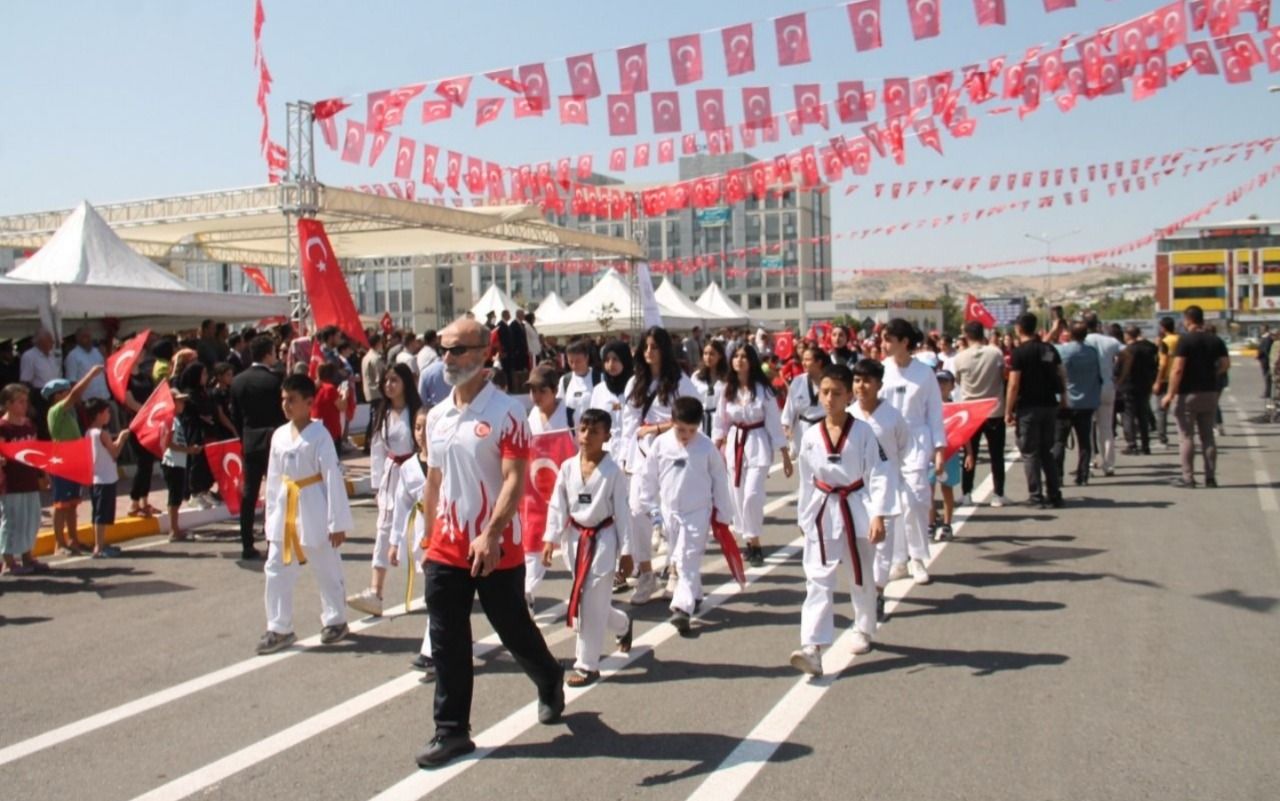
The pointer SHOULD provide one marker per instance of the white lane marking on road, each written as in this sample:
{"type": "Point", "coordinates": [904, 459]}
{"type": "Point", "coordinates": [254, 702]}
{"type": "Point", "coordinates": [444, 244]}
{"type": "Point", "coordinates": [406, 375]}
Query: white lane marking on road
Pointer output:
{"type": "Point", "coordinates": [732, 776]}
{"type": "Point", "coordinates": [1262, 477]}
{"type": "Point", "coordinates": [421, 783]}
{"type": "Point", "coordinates": [263, 749]}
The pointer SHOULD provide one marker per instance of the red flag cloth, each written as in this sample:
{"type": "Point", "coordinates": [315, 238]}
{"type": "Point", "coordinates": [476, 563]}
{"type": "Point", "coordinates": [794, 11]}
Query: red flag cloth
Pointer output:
{"type": "Point", "coordinates": [573, 110]}
{"type": "Point", "coordinates": [710, 109]}
{"type": "Point", "coordinates": [666, 112]}
{"type": "Point", "coordinates": [757, 106]}
{"type": "Point", "coordinates": [925, 22]}
{"type": "Point", "coordinates": [582, 76]}
{"type": "Point", "coordinates": [353, 143]}
{"type": "Point", "coordinates": [1058, 5]}
{"type": "Point", "coordinates": [784, 345]}
{"type": "Point", "coordinates": [259, 280]}
{"type": "Point", "coordinates": [226, 463]}
{"type": "Point", "coordinates": [405, 151]}
{"type": "Point", "coordinates": [962, 420]}
{"type": "Point", "coordinates": [324, 284]}
{"type": "Point", "coordinates": [686, 58]}
{"type": "Point", "coordinates": [120, 365]}
{"type": "Point", "coordinates": [633, 69]}
{"type": "Point", "coordinates": [792, 33]}
{"type": "Point", "coordinates": [864, 18]}
{"type": "Point", "coordinates": [622, 115]}
{"type": "Point", "coordinates": [152, 421]}
{"type": "Point", "coordinates": [990, 12]}
{"type": "Point", "coordinates": [732, 553]}
{"type": "Point", "coordinates": [546, 453]}
{"type": "Point", "coordinates": [387, 324]}
{"type": "Point", "coordinates": [314, 360]}
{"type": "Point", "coordinates": [72, 460]}
{"type": "Point", "coordinates": [739, 49]}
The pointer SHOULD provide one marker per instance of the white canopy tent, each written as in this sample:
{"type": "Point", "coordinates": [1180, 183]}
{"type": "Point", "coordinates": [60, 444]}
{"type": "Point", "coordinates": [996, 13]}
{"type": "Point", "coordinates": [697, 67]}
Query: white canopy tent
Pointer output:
{"type": "Point", "coordinates": [677, 310]}
{"type": "Point", "coordinates": [550, 309]}
{"type": "Point", "coordinates": [607, 307]}
{"type": "Point", "coordinates": [721, 309]}
{"type": "Point", "coordinates": [90, 273]}
{"type": "Point", "coordinates": [496, 301]}
{"type": "Point", "coordinates": [21, 304]}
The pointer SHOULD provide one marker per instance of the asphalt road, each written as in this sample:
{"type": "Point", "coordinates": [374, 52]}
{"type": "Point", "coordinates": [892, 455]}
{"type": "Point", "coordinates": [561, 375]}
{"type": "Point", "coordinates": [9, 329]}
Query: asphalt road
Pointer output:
{"type": "Point", "coordinates": [1124, 647]}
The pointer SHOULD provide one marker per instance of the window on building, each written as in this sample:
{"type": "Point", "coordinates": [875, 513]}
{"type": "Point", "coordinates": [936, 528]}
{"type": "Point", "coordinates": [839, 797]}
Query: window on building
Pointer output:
{"type": "Point", "coordinates": [1271, 291]}
{"type": "Point", "coordinates": [1190, 292]}
{"type": "Point", "coordinates": [792, 300]}
{"type": "Point", "coordinates": [754, 301]}
{"type": "Point", "coordinates": [379, 291]}
{"type": "Point", "coordinates": [406, 290]}
{"type": "Point", "coordinates": [393, 291]}
{"type": "Point", "coordinates": [773, 300]}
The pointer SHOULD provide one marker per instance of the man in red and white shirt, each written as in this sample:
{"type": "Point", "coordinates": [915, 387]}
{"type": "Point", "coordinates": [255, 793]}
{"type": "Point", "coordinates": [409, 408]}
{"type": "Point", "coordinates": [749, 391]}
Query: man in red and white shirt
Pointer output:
{"type": "Point", "coordinates": [478, 442]}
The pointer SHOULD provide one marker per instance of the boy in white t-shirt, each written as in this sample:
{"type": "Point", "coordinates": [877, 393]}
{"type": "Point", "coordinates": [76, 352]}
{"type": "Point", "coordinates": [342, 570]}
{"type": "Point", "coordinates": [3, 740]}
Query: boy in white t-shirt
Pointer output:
{"type": "Point", "coordinates": [106, 475]}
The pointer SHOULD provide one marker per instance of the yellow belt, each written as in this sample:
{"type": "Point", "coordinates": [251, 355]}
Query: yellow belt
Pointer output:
{"type": "Point", "coordinates": [408, 557]}
{"type": "Point", "coordinates": [291, 543]}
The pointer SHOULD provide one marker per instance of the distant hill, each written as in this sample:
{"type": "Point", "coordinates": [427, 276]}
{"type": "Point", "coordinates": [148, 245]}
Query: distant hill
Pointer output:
{"type": "Point", "coordinates": [915, 284]}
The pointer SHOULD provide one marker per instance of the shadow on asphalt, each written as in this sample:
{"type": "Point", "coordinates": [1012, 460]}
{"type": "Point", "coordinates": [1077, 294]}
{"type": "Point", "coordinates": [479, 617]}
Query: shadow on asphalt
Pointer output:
{"type": "Point", "coordinates": [967, 602]}
{"type": "Point", "coordinates": [22, 621]}
{"type": "Point", "coordinates": [983, 663]}
{"type": "Point", "coordinates": [979, 580]}
{"type": "Point", "coordinates": [589, 736]}
{"type": "Point", "coordinates": [1253, 603]}
{"type": "Point", "coordinates": [1044, 554]}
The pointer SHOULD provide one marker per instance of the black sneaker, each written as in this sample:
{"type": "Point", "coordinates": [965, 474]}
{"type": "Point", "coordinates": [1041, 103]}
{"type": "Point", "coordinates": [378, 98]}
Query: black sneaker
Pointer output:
{"type": "Point", "coordinates": [1211, 482]}
{"type": "Point", "coordinates": [1058, 502]}
{"type": "Point", "coordinates": [331, 634]}
{"type": "Point", "coordinates": [550, 709]}
{"type": "Point", "coordinates": [624, 639]}
{"type": "Point", "coordinates": [755, 556]}
{"type": "Point", "coordinates": [881, 617]}
{"type": "Point", "coordinates": [272, 642]}
{"type": "Point", "coordinates": [444, 748]}
{"type": "Point", "coordinates": [680, 620]}
{"type": "Point", "coordinates": [424, 663]}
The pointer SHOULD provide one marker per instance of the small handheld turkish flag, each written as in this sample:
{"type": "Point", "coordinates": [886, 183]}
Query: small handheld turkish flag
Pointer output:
{"type": "Point", "coordinates": [120, 365]}
{"type": "Point", "coordinates": [962, 420]}
{"type": "Point", "coordinates": [72, 460]}
{"type": "Point", "coordinates": [974, 311]}
{"type": "Point", "coordinates": [226, 462]}
{"type": "Point", "coordinates": [388, 325]}
{"type": "Point", "coordinates": [259, 280]}
{"type": "Point", "coordinates": [546, 453]}
{"type": "Point", "coordinates": [153, 420]}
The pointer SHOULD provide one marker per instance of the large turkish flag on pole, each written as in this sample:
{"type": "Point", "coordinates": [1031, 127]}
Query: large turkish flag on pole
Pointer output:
{"type": "Point", "coordinates": [153, 419]}
{"type": "Point", "coordinates": [72, 460]}
{"type": "Point", "coordinates": [546, 453]}
{"type": "Point", "coordinates": [226, 463]}
{"type": "Point", "coordinates": [962, 420]}
{"type": "Point", "coordinates": [322, 279]}
{"type": "Point", "coordinates": [120, 365]}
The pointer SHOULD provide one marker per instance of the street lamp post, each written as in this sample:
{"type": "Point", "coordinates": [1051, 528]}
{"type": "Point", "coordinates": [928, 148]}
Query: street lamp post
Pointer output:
{"type": "Point", "coordinates": [1048, 256]}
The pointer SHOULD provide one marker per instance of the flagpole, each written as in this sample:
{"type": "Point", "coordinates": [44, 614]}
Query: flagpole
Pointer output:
{"type": "Point", "coordinates": [1048, 241]}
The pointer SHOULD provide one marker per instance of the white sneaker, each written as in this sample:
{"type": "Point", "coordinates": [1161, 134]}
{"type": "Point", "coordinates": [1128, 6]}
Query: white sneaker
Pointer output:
{"type": "Point", "coordinates": [658, 543]}
{"type": "Point", "coordinates": [861, 642]}
{"type": "Point", "coordinates": [366, 601]}
{"type": "Point", "coordinates": [918, 574]}
{"type": "Point", "coordinates": [672, 581]}
{"type": "Point", "coordinates": [646, 588]}
{"type": "Point", "coordinates": [808, 660]}
{"type": "Point", "coordinates": [898, 570]}
{"type": "Point", "coordinates": [967, 499]}
{"type": "Point", "coordinates": [997, 501]}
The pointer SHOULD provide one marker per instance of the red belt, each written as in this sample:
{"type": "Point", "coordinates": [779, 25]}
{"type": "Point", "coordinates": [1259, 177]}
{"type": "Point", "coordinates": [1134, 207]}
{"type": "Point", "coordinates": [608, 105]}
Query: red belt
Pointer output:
{"type": "Point", "coordinates": [740, 447]}
{"type": "Point", "coordinates": [586, 554]}
{"type": "Point", "coordinates": [399, 460]}
{"type": "Point", "coordinates": [842, 493]}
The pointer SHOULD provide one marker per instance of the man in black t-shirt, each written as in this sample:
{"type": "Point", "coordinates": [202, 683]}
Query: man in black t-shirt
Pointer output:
{"type": "Point", "coordinates": [1037, 389]}
{"type": "Point", "coordinates": [1199, 364]}
{"type": "Point", "coordinates": [1139, 365]}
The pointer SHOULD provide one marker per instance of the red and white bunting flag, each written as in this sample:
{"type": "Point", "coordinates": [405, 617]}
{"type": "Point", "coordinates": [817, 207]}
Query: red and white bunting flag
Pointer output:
{"type": "Point", "coordinates": [989, 12]}
{"type": "Point", "coordinates": [925, 18]}
{"type": "Point", "coordinates": [573, 110]}
{"type": "Point", "coordinates": [405, 151]}
{"type": "Point", "coordinates": [792, 36]}
{"type": "Point", "coordinates": [622, 114]}
{"type": "Point", "coordinates": [353, 142]}
{"type": "Point", "coordinates": [686, 58]}
{"type": "Point", "coordinates": [864, 19]}
{"type": "Point", "coordinates": [582, 76]}
{"type": "Point", "coordinates": [633, 69]}
{"type": "Point", "coordinates": [710, 109]}
{"type": "Point", "coordinates": [666, 112]}
{"type": "Point", "coordinates": [739, 49]}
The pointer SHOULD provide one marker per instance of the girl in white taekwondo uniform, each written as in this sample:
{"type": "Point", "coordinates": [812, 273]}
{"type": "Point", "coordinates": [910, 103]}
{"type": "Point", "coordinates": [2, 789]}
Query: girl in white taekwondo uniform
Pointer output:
{"type": "Point", "coordinates": [408, 531]}
{"type": "Point", "coordinates": [709, 381]}
{"type": "Point", "coordinates": [843, 520]}
{"type": "Point", "coordinates": [656, 385]}
{"type": "Point", "coordinates": [589, 505]}
{"type": "Point", "coordinates": [610, 394]}
{"type": "Point", "coordinates": [683, 485]}
{"type": "Point", "coordinates": [750, 424]}
{"type": "Point", "coordinates": [548, 414]}
{"type": "Point", "coordinates": [802, 408]}
{"type": "Point", "coordinates": [894, 437]}
{"type": "Point", "coordinates": [307, 518]}
{"type": "Point", "coordinates": [390, 447]}
{"type": "Point", "coordinates": [576, 385]}
{"type": "Point", "coordinates": [911, 388]}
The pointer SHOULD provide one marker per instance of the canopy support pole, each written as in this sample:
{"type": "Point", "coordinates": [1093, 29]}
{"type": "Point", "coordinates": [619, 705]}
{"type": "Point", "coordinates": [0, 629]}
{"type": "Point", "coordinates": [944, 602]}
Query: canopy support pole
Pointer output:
{"type": "Point", "coordinates": [299, 194]}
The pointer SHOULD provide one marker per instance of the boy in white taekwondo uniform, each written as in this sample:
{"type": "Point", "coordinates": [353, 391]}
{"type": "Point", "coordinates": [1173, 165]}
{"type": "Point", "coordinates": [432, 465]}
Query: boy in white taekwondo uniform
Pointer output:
{"type": "Point", "coordinates": [894, 437]}
{"type": "Point", "coordinates": [548, 414]}
{"type": "Point", "coordinates": [589, 505]}
{"type": "Point", "coordinates": [748, 427]}
{"type": "Point", "coordinates": [409, 539]}
{"type": "Point", "coordinates": [842, 521]}
{"type": "Point", "coordinates": [575, 387]}
{"type": "Point", "coordinates": [307, 518]}
{"type": "Point", "coordinates": [802, 408]}
{"type": "Point", "coordinates": [683, 485]}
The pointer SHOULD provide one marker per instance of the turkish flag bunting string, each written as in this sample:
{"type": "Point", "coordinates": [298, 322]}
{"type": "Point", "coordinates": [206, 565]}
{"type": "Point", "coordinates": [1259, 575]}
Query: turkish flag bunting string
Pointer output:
{"type": "Point", "coordinates": [324, 284]}
{"type": "Point", "coordinates": [226, 463]}
{"type": "Point", "coordinates": [151, 424]}
{"type": "Point", "coordinates": [120, 365]}
{"type": "Point", "coordinates": [71, 460]}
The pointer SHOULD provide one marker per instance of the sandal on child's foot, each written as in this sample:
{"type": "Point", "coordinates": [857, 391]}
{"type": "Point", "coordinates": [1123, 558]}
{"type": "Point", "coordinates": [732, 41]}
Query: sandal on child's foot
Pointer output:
{"type": "Point", "coordinates": [581, 678]}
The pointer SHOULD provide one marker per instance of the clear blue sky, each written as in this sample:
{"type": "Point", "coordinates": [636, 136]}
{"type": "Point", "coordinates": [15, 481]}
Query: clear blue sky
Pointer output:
{"type": "Point", "coordinates": [123, 100]}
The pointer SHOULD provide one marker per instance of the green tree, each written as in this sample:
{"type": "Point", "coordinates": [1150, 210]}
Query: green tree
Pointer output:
{"type": "Point", "coordinates": [952, 315]}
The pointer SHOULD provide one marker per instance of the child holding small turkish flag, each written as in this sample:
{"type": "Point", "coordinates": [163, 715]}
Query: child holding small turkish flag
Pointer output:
{"type": "Point", "coordinates": [19, 488]}
{"type": "Point", "coordinates": [106, 475]}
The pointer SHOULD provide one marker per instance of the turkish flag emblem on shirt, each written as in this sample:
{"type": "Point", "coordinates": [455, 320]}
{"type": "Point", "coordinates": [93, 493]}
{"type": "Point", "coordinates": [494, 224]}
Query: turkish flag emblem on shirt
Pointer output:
{"type": "Point", "coordinates": [686, 58]}
{"type": "Point", "coordinates": [72, 460]}
{"type": "Point", "coordinates": [152, 421]}
{"type": "Point", "coordinates": [962, 420]}
{"type": "Point", "coordinates": [546, 453]}
{"type": "Point", "coordinates": [974, 311]}
{"type": "Point", "coordinates": [226, 463]}
{"type": "Point", "coordinates": [324, 283]}
{"type": "Point", "coordinates": [120, 365]}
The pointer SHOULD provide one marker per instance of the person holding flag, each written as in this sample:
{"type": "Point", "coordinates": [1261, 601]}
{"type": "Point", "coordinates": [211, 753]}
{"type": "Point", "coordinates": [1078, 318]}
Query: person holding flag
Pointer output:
{"type": "Point", "coordinates": [843, 519]}
{"type": "Point", "coordinates": [19, 488]}
{"type": "Point", "coordinates": [551, 443]}
{"type": "Point", "coordinates": [588, 508]}
{"type": "Point", "coordinates": [64, 426]}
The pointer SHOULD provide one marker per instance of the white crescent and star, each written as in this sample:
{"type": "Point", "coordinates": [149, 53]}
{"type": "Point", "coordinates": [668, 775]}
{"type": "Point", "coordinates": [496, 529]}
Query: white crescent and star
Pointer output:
{"type": "Point", "coordinates": [316, 242]}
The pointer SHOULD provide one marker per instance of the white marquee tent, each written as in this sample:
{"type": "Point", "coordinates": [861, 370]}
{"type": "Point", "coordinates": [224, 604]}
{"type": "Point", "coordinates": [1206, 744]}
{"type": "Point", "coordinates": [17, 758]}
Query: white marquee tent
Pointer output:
{"type": "Point", "coordinates": [675, 306]}
{"type": "Point", "coordinates": [721, 308]}
{"type": "Point", "coordinates": [550, 309]}
{"type": "Point", "coordinates": [496, 301]}
{"type": "Point", "coordinates": [21, 303]}
{"type": "Point", "coordinates": [607, 307]}
{"type": "Point", "coordinates": [90, 273]}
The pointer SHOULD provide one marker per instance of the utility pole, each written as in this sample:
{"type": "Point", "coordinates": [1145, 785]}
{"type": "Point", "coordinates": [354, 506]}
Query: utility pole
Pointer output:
{"type": "Point", "coordinates": [1048, 241]}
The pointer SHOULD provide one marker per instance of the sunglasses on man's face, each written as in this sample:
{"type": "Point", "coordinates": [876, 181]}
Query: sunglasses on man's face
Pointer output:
{"type": "Point", "coordinates": [459, 350]}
